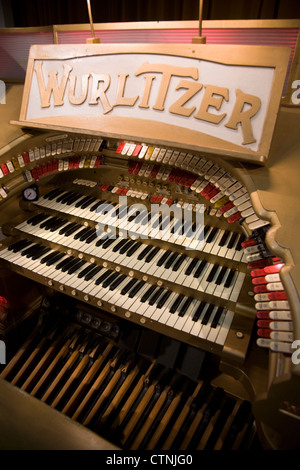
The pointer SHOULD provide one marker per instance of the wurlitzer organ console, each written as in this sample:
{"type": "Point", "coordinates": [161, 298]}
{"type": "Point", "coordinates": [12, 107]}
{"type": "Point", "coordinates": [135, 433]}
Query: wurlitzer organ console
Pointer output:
{"type": "Point", "coordinates": [128, 325]}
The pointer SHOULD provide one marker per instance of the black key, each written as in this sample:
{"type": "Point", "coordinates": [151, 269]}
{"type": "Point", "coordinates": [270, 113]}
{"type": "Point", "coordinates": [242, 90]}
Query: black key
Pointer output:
{"type": "Point", "coordinates": [73, 229]}
{"type": "Point", "coordinates": [171, 260]}
{"type": "Point", "coordinates": [217, 317]}
{"type": "Point", "coordinates": [176, 303]}
{"type": "Point", "coordinates": [67, 197]}
{"type": "Point", "coordinates": [32, 219]}
{"type": "Point", "coordinates": [229, 279]}
{"type": "Point", "coordinates": [191, 231]}
{"type": "Point", "coordinates": [203, 232]}
{"type": "Point", "coordinates": [133, 216]}
{"type": "Point", "coordinates": [200, 268]}
{"type": "Point", "coordinates": [41, 252]}
{"type": "Point", "coordinates": [239, 243]}
{"type": "Point", "coordinates": [81, 233]}
{"type": "Point", "coordinates": [185, 306]}
{"type": "Point", "coordinates": [163, 220]}
{"type": "Point", "coordinates": [36, 219]}
{"type": "Point", "coordinates": [46, 222]}
{"type": "Point", "coordinates": [86, 270]}
{"type": "Point", "coordinates": [126, 246]}
{"type": "Point", "coordinates": [103, 276]}
{"type": "Point", "coordinates": [128, 286]}
{"type": "Point", "coordinates": [122, 213]}
{"type": "Point", "coordinates": [119, 245]}
{"type": "Point", "coordinates": [63, 263]}
{"type": "Point", "coordinates": [136, 288]}
{"type": "Point", "coordinates": [55, 193]}
{"type": "Point", "coordinates": [51, 193]}
{"type": "Point", "coordinates": [212, 235]}
{"type": "Point", "coordinates": [34, 253]}
{"type": "Point", "coordinates": [28, 250]}
{"type": "Point", "coordinates": [19, 245]}
{"type": "Point", "coordinates": [55, 258]}
{"type": "Point", "coordinates": [191, 266]}
{"type": "Point", "coordinates": [110, 279]}
{"type": "Point", "coordinates": [49, 223]}
{"type": "Point", "coordinates": [69, 264]}
{"type": "Point", "coordinates": [48, 257]}
{"type": "Point", "coordinates": [133, 249]}
{"type": "Point", "coordinates": [148, 292]}
{"type": "Point", "coordinates": [199, 310]}
{"type": "Point", "coordinates": [62, 196]}
{"type": "Point", "coordinates": [92, 237]}
{"type": "Point", "coordinates": [101, 240]}
{"type": "Point", "coordinates": [232, 240]}
{"type": "Point", "coordinates": [57, 225]}
{"type": "Point", "coordinates": [87, 234]}
{"type": "Point", "coordinates": [156, 295]}
{"type": "Point", "coordinates": [164, 298]}
{"type": "Point", "coordinates": [206, 230]}
{"type": "Point", "coordinates": [96, 205]}
{"type": "Point", "coordinates": [221, 275]}
{"type": "Point", "coordinates": [157, 221]}
{"type": "Point", "coordinates": [93, 272]}
{"type": "Point", "coordinates": [117, 281]}
{"type": "Point", "coordinates": [73, 199]}
{"type": "Point", "coordinates": [207, 314]}
{"type": "Point", "coordinates": [177, 228]}
{"type": "Point", "coordinates": [179, 262]}
{"type": "Point", "coordinates": [82, 201]}
{"type": "Point", "coordinates": [76, 266]}
{"type": "Point", "coordinates": [144, 252]}
{"type": "Point", "coordinates": [224, 238]}
{"type": "Point", "coordinates": [90, 201]}
{"type": "Point", "coordinates": [108, 242]}
{"type": "Point", "coordinates": [212, 273]}
{"type": "Point", "coordinates": [140, 217]}
{"type": "Point", "coordinates": [146, 219]}
{"type": "Point", "coordinates": [66, 228]}
{"type": "Point", "coordinates": [151, 255]}
{"type": "Point", "coordinates": [163, 258]}
{"type": "Point", "coordinates": [187, 227]}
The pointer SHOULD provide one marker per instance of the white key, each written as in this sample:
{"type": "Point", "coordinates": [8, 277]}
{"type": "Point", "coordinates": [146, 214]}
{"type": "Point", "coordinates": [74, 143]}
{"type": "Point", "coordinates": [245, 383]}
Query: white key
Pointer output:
{"type": "Point", "coordinates": [183, 323]}
{"type": "Point", "coordinates": [221, 338]}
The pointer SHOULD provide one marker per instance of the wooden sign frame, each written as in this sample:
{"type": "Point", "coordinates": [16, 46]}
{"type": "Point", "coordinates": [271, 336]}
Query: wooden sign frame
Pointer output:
{"type": "Point", "coordinates": [222, 100]}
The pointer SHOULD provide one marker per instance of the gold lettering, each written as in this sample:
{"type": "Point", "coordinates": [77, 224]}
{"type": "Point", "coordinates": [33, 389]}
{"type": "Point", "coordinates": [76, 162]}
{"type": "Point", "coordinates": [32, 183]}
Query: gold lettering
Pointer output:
{"type": "Point", "coordinates": [148, 85]}
{"type": "Point", "coordinates": [84, 89]}
{"type": "Point", "coordinates": [52, 85]}
{"type": "Point", "coordinates": [167, 72]}
{"type": "Point", "coordinates": [99, 92]}
{"type": "Point", "coordinates": [121, 100]}
{"type": "Point", "coordinates": [192, 88]}
{"type": "Point", "coordinates": [239, 116]}
{"type": "Point", "coordinates": [210, 100]}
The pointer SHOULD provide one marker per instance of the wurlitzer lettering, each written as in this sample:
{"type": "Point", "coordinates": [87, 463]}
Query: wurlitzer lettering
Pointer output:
{"type": "Point", "coordinates": [93, 88]}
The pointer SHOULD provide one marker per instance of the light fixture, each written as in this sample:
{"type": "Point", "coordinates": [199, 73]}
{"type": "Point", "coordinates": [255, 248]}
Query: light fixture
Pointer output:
{"type": "Point", "coordinates": [93, 39]}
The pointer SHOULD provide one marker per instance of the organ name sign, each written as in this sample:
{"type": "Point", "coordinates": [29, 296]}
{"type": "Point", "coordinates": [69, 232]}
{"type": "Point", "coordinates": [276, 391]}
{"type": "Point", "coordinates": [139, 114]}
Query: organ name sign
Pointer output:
{"type": "Point", "coordinates": [223, 99]}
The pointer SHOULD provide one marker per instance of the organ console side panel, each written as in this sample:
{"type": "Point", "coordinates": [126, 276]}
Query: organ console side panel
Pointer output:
{"type": "Point", "coordinates": [149, 342]}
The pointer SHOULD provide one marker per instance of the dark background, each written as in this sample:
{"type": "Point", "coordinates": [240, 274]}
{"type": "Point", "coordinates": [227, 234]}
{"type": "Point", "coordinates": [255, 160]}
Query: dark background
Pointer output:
{"type": "Point", "coordinates": [25, 13]}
